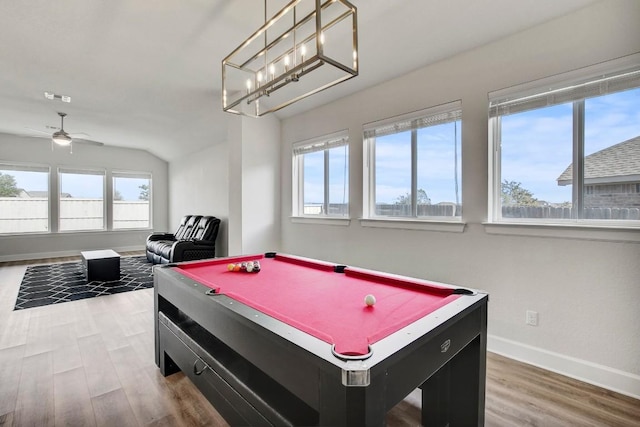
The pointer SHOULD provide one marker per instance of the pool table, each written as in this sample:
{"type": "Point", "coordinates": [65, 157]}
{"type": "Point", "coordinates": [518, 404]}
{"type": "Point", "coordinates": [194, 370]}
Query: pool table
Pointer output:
{"type": "Point", "coordinates": [295, 343]}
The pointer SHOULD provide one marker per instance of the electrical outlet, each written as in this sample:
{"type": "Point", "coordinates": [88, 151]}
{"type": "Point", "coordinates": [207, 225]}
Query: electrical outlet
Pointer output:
{"type": "Point", "coordinates": [532, 318]}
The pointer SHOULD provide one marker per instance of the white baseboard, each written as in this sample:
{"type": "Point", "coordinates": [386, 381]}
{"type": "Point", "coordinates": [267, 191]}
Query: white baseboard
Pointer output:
{"type": "Point", "coordinates": [41, 255]}
{"type": "Point", "coordinates": [582, 370]}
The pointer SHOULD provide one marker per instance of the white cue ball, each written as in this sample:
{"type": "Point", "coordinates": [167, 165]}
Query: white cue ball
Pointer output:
{"type": "Point", "coordinates": [369, 300]}
{"type": "Point", "coordinates": [249, 267]}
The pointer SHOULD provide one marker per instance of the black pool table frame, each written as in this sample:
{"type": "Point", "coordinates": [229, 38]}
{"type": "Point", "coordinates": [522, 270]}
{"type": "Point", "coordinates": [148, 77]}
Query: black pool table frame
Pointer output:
{"type": "Point", "coordinates": [257, 370]}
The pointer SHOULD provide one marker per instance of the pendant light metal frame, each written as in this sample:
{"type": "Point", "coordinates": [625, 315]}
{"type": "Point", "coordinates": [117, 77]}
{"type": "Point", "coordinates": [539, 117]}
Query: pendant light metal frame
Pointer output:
{"type": "Point", "coordinates": [246, 101]}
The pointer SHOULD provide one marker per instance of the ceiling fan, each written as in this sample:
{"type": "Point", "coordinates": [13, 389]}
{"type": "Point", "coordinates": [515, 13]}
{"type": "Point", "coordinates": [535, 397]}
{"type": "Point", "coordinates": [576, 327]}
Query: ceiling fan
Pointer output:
{"type": "Point", "coordinates": [63, 138]}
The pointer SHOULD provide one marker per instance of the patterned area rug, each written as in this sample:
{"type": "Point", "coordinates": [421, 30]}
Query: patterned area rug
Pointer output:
{"type": "Point", "coordinates": [56, 283]}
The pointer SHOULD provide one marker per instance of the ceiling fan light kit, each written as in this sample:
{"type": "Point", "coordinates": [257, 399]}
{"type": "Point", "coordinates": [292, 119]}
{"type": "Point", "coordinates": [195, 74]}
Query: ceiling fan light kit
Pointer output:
{"type": "Point", "coordinates": [308, 46]}
{"type": "Point", "coordinates": [61, 137]}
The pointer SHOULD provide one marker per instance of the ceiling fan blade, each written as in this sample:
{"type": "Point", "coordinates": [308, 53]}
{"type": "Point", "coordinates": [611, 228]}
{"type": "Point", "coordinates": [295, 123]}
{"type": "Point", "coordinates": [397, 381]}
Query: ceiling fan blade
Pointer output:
{"type": "Point", "coordinates": [47, 133]}
{"type": "Point", "coordinates": [79, 135]}
{"type": "Point", "coordinates": [67, 138]}
{"type": "Point", "coordinates": [87, 142]}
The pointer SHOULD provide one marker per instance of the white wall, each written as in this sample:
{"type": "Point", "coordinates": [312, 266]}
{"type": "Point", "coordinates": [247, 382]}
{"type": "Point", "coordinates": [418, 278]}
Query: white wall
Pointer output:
{"type": "Point", "coordinates": [260, 184]}
{"type": "Point", "coordinates": [38, 150]}
{"type": "Point", "coordinates": [199, 185]}
{"type": "Point", "coordinates": [586, 291]}
{"type": "Point", "coordinates": [254, 185]}
{"type": "Point", "coordinates": [237, 181]}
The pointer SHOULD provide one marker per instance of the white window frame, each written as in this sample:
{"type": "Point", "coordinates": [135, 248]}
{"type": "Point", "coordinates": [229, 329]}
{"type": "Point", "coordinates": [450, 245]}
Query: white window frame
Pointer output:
{"type": "Point", "coordinates": [54, 189]}
{"type": "Point", "coordinates": [32, 167]}
{"type": "Point", "coordinates": [444, 113]}
{"type": "Point", "coordinates": [565, 84]}
{"type": "Point", "coordinates": [131, 174]}
{"type": "Point", "coordinates": [575, 86]}
{"type": "Point", "coordinates": [322, 143]}
{"type": "Point", "coordinates": [105, 198]}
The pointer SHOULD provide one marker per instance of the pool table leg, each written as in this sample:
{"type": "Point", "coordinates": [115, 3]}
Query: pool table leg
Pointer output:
{"type": "Point", "coordinates": [167, 365]}
{"type": "Point", "coordinates": [163, 361]}
{"type": "Point", "coordinates": [156, 331]}
{"type": "Point", "coordinates": [435, 398]}
{"type": "Point", "coordinates": [454, 396]}
{"type": "Point", "coordinates": [351, 406]}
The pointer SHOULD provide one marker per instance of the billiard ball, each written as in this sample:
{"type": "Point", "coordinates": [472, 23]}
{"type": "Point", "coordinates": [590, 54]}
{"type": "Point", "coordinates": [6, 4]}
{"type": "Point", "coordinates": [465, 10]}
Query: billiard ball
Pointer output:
{"type": "Point", "coordinates": [231, 266]}
{"type": "Point", "coordinates": [249, 267]}
{"type": "Point", "coordinates": [369, 300]}
{"type": "Point", "coordinates": [256, 266]}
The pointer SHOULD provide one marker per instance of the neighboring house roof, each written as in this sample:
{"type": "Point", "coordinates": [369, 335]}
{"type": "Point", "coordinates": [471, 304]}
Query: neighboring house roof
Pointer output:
{"type": "Point", "coordinates": [615, 164]}
{"type": "Point", "coordinates": [39, 194]}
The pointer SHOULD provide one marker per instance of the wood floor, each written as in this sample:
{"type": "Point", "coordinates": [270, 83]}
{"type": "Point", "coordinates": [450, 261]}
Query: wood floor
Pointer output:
{"type": "Point", "coordinates": [91, 362]}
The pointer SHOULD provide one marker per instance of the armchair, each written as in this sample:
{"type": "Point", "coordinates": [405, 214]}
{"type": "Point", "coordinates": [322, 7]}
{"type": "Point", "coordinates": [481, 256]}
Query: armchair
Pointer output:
{"type": "Point", "coordinates": [194, 239]}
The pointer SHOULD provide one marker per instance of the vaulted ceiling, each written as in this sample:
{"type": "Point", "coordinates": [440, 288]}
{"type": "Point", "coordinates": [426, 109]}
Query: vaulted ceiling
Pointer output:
{"type": "Point", "coordinates": [147, 75]}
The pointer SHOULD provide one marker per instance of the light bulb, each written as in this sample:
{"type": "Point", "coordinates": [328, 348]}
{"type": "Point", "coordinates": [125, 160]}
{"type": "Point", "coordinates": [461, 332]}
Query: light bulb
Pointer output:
{"type": "Point", "coordinates": [272, 70]}
{"type": "Point", "coordinates": [259, 77]}
{"type": "Point", "coordinates": [303, 51]}
{"type": "Point", "coordinates": [322, 37]}
{"type": "Point", "coordinates": [248, 85]}
{"type": "Point", "coordinates": [286, 62]}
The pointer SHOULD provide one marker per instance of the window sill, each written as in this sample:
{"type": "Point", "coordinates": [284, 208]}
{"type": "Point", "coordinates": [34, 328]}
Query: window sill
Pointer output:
{"type": "Point", "coordinates": [408, 224]}
{"type": "Point", "coordinates": [40, 234]}
{"type": "Point", "coordinates": [324, 220]}
{"type": "Point", "coordinates": [611, 233]}
{"type": "Point", "coordinates": [100, 231]}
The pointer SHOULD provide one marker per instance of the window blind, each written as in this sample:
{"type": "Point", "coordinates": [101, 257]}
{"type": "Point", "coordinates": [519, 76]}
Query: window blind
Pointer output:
{"type": "Point", "coordinates": [561, 90]}
{"type": "Point", "coordinates": [338, 139]}
{"type": "Point", "coordinates": [433, 116]}
{"type": "Point", "coordinates": [82, 171]}
{"type": "Point", "coordinates": [134, 175]}
{"type": "Point", "coordinates": [23, 168]}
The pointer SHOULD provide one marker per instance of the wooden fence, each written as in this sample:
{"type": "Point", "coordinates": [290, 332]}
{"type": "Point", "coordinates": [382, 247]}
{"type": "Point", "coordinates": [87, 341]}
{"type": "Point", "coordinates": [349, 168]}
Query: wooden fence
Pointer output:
{"type": "Point", "coordinates": [548, 212]}
{"type": "Point", "coordinates": [22, 215]}
{"type": "Point", "coordinates": [453, 210]}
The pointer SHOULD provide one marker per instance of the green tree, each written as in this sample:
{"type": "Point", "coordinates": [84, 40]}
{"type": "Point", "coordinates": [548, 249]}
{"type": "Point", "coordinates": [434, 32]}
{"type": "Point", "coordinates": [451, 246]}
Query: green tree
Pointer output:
{"type": "Point", "coordinates": [514, 194]}
{"type": "Point", "coordinates": [423, 198]}
{"type": "Point", "coordinates": [144, 192]}
{"type": "Point", "coordinates": [8, 185]}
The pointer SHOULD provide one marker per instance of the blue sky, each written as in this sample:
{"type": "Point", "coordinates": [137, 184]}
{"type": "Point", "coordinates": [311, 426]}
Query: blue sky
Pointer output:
{"type": "Point", "coordinates": [536, 148]}
{"type": "Point", "coordinates": [81, 186]}
{"type": "Point", "coordinates": [314, 176]}
{"type": "Point", "coordinates": [537, 145]}
{"type": "Point", "coordinates": [436, 172]}
{"type": "Point", "coordinates": [393, 160]}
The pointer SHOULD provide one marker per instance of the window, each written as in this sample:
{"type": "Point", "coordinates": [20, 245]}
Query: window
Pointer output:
{"type": "Point", "coordinates": [81, 199]}
{"type": "Point", "coordinates": [25, 205]}
{"type": "Point", "coordinates": [131, 195]}
{"type": "Point", "coordinates": [321, 176]}
{"type": "Point", "coordinates": [567, 151]}
{"type": "Point", "coordinates": [24, 198]}
{"type": "Point", "coordinates": [413, 165]}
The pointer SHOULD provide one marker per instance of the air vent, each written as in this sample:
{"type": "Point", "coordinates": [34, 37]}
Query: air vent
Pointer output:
{"type": "Point", "coordinates": [53, 96]}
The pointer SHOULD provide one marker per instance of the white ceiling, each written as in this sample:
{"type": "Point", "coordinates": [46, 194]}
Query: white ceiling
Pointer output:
{"type": "Point", "coordinates": [147, 75]}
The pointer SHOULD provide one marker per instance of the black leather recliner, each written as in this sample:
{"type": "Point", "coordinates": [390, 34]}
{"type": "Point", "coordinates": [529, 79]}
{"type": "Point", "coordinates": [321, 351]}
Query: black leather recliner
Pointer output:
{"type": "Point", "coordinates": [194, 239]}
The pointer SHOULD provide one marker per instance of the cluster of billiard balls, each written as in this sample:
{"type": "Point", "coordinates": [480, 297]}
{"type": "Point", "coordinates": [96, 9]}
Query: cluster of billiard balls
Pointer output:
{"type": "Point", "coordinates": [248, 266]}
